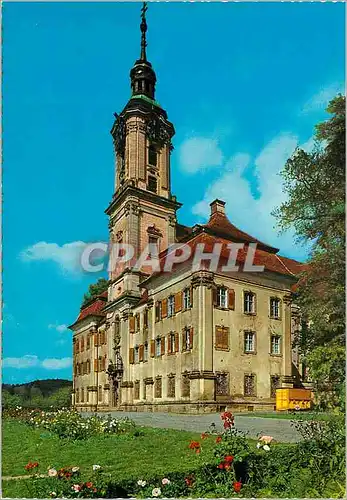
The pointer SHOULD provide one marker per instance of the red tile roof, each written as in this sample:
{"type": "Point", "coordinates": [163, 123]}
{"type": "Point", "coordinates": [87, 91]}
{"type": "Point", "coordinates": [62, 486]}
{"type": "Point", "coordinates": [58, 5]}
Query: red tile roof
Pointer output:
{"type": "Point", "coordinates": [271, 261]}
{"type": "Point", "coordinates": [93, 308]}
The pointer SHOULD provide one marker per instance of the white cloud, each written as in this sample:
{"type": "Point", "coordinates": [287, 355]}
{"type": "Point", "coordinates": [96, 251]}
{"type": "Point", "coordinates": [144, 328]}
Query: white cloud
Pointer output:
{"type": "Point", "coordinates": [320, 100]}
{"type": "Point", "coordinates": [56, 364]}
{"type": "Point", "coordinates": [30, 361]}
{"type": "Point", "coordinates": [66, 256]}
{"type": "Point", "coordinates": [197, 153]}
{"type": "Point", "coordinates": [58, 328]}
{"type": "Point", "coordinates": [249, 213]}
{"type": "Point", "coordinates": [26, 361]}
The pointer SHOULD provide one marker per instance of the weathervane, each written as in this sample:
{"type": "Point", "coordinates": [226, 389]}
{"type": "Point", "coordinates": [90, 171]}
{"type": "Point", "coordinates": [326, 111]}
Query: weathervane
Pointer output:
{"type": "Point", "coordinates": [143, 27]}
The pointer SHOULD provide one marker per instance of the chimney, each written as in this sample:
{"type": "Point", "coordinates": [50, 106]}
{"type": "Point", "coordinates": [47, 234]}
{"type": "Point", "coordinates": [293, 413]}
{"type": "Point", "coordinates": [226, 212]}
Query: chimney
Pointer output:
{"type": "Point", "coordinates": [217, 206]}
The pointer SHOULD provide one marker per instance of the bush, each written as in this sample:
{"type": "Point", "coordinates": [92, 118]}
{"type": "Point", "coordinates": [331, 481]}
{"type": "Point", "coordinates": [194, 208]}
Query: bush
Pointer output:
{"type": "Point", "coordinates": [69, 424]}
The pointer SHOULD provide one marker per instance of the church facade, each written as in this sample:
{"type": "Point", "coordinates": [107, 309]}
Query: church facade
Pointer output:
{"type": "Point", "coordinates": [191, 338]}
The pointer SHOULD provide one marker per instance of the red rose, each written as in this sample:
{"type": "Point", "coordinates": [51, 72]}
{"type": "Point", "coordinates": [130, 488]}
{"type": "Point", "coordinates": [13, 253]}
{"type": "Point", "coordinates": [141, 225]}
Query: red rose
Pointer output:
{"type": "Point", "coordinates": [229, 458]}
{"type": "Point", "coordinates": [237, 486]}
{"type": "Point", "coordinates": [188, 481]}
{"type": "Point", "coordinates": [219, 439]}
{"type": "Point", "coordinates": [204, 435]}
{"type": "Point", "coordinates": [194, 445]}
{"type": "Point", "coordinates": [220, 466]}
{"type": "Point", "coordinates": [89, 484]}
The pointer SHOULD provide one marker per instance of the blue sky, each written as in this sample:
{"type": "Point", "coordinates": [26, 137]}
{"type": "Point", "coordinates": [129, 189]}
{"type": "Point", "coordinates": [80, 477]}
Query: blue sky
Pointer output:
{"type": "Point", "coordinates": [244, 84]}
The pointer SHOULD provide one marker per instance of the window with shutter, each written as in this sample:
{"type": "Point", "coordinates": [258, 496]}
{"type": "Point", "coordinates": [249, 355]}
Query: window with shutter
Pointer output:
{"type": "Point", "coordinates": [158, 346]}
{"type": "Point", "coordinates": [77, 346]}
{"type": "Point", "coordinates": [95, 365]}
{"type": "Point", "coordinates": [222, 337]}
{"type": "Point", "coordinates": [171, 343]}
{"type": "Point", "coordinates": [136, 354]}
{"type": "Point", "coordinates": [187, 339]}
{"type": "Point", "coordinates": [88, 341]}
{"type": "Point", "coordinates": [82, 344]}
{"type": "Point", "coordinates": [131, 355]}
{"type": "Point", "coordinates": [187, 298]}
{"type": "Point", "coordinates": [162, 348]}
{"type": "Point", "coordinates": [145, 351]}
{"type": "Point", "coordinates": [222, 297]}
{"type": "Point", "coordinates": [158, 311]}
{"type": "Point", "coordinates": [163, 308]}
{"type": "Point", "coordinates": [141, 349]}
{"type": "Point", "coordinates": [131, 324]}
{"type": "Point", "coordinates": [95, 339]}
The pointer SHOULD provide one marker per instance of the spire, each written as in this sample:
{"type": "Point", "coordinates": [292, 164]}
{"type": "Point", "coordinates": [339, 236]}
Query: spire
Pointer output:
{"type": "Point", "coordinates": [143, 27]}
{"type": "Point", "coordinates": [142, 75]}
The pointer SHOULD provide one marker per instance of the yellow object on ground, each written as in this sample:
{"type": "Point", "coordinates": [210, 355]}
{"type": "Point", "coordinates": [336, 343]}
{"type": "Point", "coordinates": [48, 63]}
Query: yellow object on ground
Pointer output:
{"type": "Point", "coordinates": [293, 399]}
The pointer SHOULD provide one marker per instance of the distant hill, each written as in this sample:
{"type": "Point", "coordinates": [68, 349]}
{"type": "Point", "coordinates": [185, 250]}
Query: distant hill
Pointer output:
{"type": "Point", "coordinates": [43, 387]}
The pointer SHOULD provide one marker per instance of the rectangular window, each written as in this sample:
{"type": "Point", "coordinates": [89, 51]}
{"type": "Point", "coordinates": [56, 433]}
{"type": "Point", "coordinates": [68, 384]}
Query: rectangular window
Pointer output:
{"type": "Point", "coordinates": [152, 183]}
{"type": "Point", "coordinates": [171, 306]}
{"type": "Point", "coordinates": [158, 346]}
{"type": "Point", "coordinates": [77, 396]}
{"type": "Point", "coordinates": [222, 297]}
{"type": "Point", "coordinates": [152, 155]}
{"type": "Point", "coordinates": [137, 322]}
{"type": "Point", "coordinates": [249, 303]}
{"type": "Point", "coordinates": [100, 393]}
{"type": "Point", "coordinates": [157, 388]}
{"type": "Point", "coordinates": [222, 337]}
{"type": "Point", "coordinates": [88, 341]}
{"type": "Point", "coordinates": [171, 346]}
{"type": "Point", "coordinates": [249, 342]}
{"type": "Point", "coordinates": [222, 384]}
{"type": "Point", "coordinates": [136, 354]}
{"type": "Point", "coordinates": [171, 386]}
{"type": "Point", "coordinates": [137, 389]}
{"type": "Point", "coordinates": [275, 344]}
{"type": "Point", "coordinates": [82, 395]}
{"type": "Point", "coordinates": [187, 340]}
{"type": "Point", "coordinates": [145, 352]}
{"type": "Point", "coordinates": [186, 298]}
{"type": "Point", "coordinates": [274, 384]}
{"type": "Point", "coordinates": [275, 308]}
{"type": "Point", "coordinates": [249, 385]}
{"type": "Point", "coordinates": [185, 390]}
{"type": "Point", "coordinates": [145, 319]}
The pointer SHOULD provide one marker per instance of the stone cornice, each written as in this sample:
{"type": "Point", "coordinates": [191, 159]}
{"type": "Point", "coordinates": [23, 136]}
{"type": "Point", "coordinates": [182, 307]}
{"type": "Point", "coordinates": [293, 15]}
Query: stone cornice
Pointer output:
{"type": "Point", "coordinates": [203, 278]}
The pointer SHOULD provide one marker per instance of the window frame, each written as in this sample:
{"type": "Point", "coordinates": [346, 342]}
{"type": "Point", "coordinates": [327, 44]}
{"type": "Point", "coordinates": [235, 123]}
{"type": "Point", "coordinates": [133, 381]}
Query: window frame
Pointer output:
{"type": "Point", "coordinates": [136, 354]}
{"type": "Point", "coordinates": [152, 150]}
{"type": "Point", "coordinates": [245, 295]}
{"type": "Point", "coordinates": [187, 298]}
{"type": "Point", "coordinates": [275, 300]}
{"type": "Point", "coordinates": [158, 345]}
{"type": "Point", "coordinates": [170, 306]}
{"type": "Point", "coordinates": [221, 289]}
{"type": "Point", "coordinates": [254, 391]}
{"type": "Point", "coordinates": [245, 334]}
{"type": "Point", "coordinates": [279, 345]}
{"type": "Point", "coordinates": [186, 346]}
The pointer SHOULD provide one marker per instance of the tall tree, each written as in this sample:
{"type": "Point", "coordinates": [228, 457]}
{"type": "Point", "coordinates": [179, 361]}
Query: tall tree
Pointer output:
{"type": "Point", "coordinates": [95, 289]}
{"type": "Point", "coordinates": [315, 207]}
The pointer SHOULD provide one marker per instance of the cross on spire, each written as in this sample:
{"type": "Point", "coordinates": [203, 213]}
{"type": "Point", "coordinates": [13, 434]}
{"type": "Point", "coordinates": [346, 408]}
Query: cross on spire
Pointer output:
{"type": "Point", "coordinates": [143, 27]}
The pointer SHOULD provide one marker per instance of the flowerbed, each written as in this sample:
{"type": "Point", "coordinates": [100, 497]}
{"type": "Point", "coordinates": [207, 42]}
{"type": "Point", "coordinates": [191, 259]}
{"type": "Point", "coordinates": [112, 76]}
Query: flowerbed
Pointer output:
{"type": "Point", "coordinates": [68, 423]}
{"type": "Point", "coordinates": [238, 468]}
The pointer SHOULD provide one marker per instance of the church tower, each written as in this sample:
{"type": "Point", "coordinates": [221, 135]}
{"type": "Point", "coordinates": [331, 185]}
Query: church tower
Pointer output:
{"type": "Point", "coordinates": [142, 209]}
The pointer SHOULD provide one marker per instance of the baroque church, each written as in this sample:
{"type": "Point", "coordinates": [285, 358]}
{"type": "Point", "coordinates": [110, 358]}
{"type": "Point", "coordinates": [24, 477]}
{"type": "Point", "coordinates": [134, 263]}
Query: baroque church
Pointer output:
{"type": "Point", "coordinates": [189, 340]}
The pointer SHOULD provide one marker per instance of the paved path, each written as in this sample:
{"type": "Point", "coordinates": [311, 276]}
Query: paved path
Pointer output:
{"type": "Point", "coordinates": [280, 429]}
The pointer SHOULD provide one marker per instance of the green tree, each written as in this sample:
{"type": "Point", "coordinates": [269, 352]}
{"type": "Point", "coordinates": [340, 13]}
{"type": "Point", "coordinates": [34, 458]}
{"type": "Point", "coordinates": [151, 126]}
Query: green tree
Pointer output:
{"type": "Point", "coordinates": [315, 207]}
{"type": "Point", "coordinates": [10, 400]}
{"type": "Point", "coordinates": [95, 289]}
{"type": "Point", "coordinates": [60, 398]}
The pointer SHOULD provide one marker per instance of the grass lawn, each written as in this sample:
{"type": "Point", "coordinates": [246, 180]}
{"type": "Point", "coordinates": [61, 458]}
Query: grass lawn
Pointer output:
{"type": "Point", "coordinates": [157, 451]}
{"type": "Point", "coordinates": [304, 415]}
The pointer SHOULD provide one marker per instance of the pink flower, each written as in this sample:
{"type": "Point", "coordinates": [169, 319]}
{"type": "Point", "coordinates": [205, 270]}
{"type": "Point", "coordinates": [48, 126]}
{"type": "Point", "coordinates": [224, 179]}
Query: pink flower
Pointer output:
{"type": "Point", "coordinates": [165, 480]}
{"type": "Point", "coordinates": [266, 439]}
{"type": "Point", "coordinates": [76, 487]}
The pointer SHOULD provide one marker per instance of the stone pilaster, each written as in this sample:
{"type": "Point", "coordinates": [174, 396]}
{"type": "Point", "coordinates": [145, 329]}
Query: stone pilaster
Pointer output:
{"type": "Point", "coordinates": [287, 344]}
